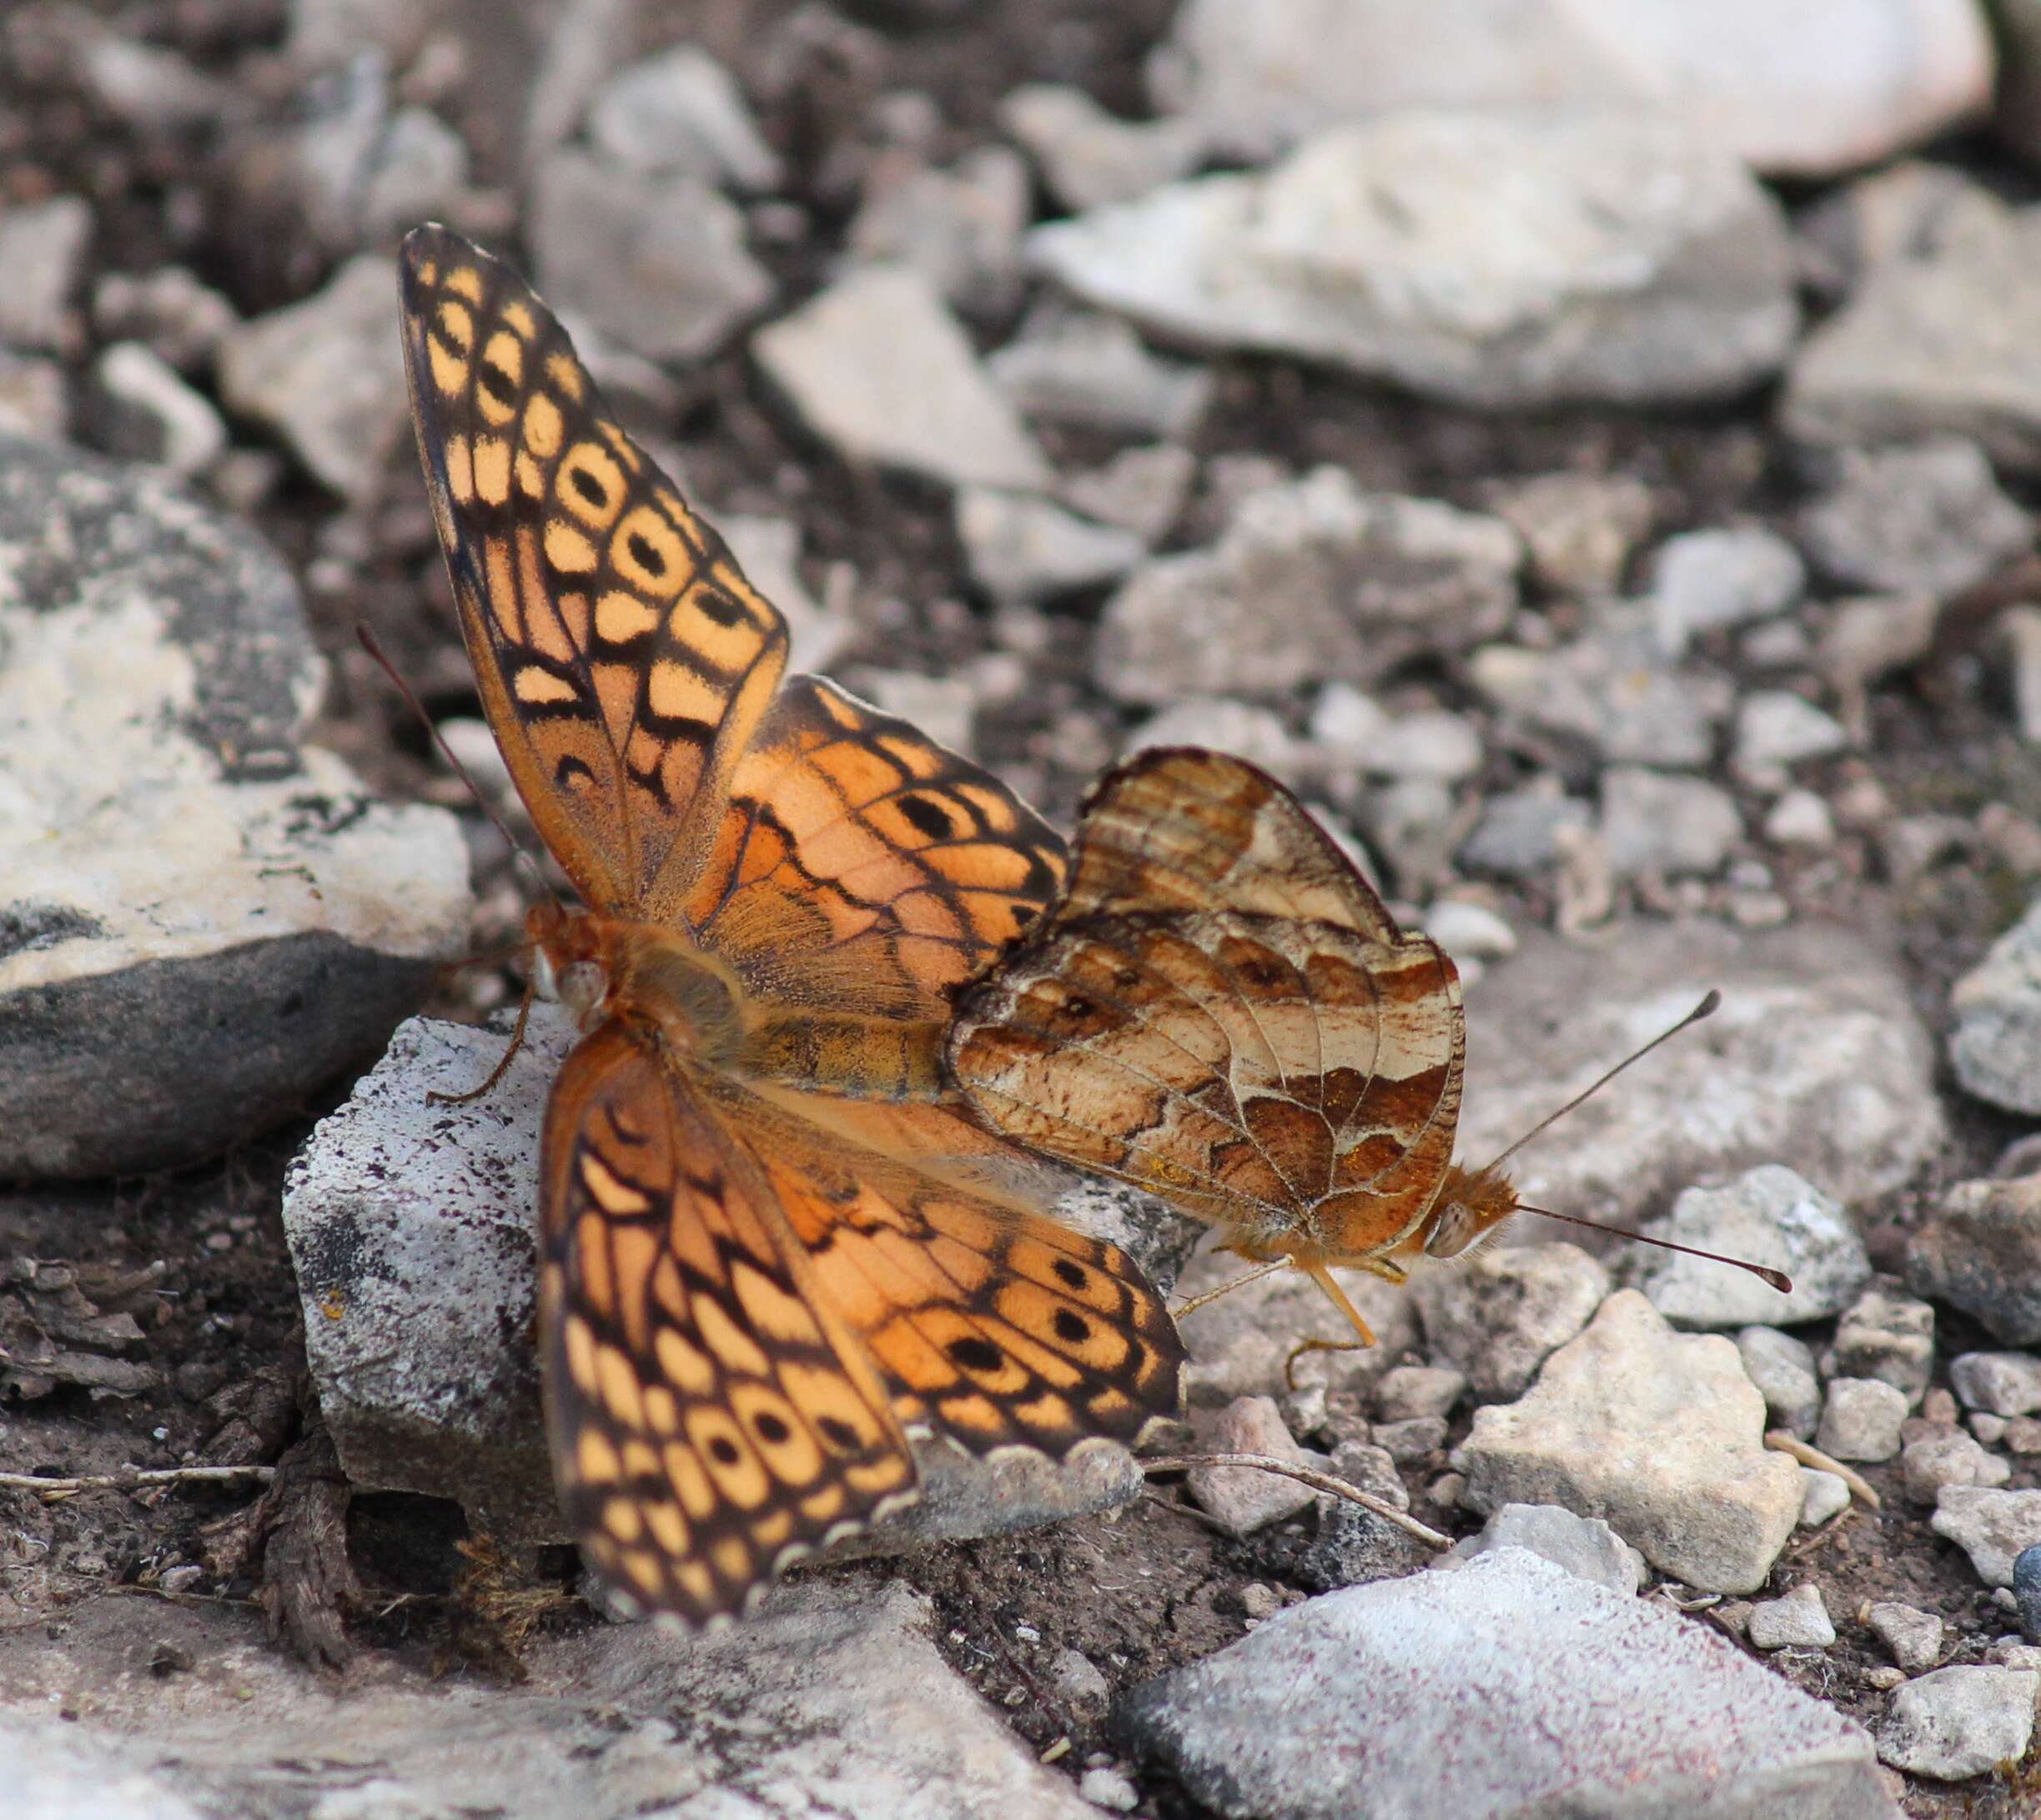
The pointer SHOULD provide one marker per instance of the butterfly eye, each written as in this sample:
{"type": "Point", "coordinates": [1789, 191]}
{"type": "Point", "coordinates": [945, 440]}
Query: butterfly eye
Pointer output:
{"type": "Point", "coordinates": [1453, 1229]}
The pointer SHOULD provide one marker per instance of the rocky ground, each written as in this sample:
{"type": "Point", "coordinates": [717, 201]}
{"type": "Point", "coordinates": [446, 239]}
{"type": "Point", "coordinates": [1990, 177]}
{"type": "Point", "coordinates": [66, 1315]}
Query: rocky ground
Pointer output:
{"type": "Point", "coordinates": [1615, 518]}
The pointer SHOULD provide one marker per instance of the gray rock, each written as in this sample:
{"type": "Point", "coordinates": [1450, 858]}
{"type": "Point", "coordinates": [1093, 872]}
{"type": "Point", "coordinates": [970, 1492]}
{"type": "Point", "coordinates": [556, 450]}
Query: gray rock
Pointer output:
{"type": "Point", "coordinates": [1769, 1215]}
{"type": "Point", "coordinates": [1782, 1367]}
{"type": "Point", "coordinates": [1584, 1545]}
{"type": "Point", "coordinates": [1925, 518]}
{"type": "Point", "coordinates": [2019, 635]}
{"type": "Point", "coordinates": [1866, 641]}
{"type": "Point", "coordinates": [1580, 529]}
{"type": "Point", "coordinates": [1369, 581]}
{"type": "Point", "coordinates": [1623, 260]}
{"type": "Point", "coordinates": [184, 320]}
{"type": "Point", "coordinates": [1881, 75]}
{"type": "Point", "coordinates": [1509, 1687]}
{"type": "Point", "coordinates": [1798, 1621]}
{"type": "Point", "coordinates": [1353, 1546]}
{"type": "Point", "coordinates": [327, 375]}
{"type": "Point", "coordinates": [960, 228]}
{"type": "Point", "coordinates": [146, 413]}
{"type": "Point", "coordinates": [1659, 1433]}
{"type": "Point", "coordinates": [2026, 1591]}
{"type": "Point", "coordinates": [1614, 689]}
{"type": "Point", "coordinates": [1981, 1250]}
{"type": "Point", "coordinates": [1256, 734]}
{"type": "Point", "coordinates": [1990, 1525]}
{"type": "Point", "coordinates": [1933, 345]}
{"type": "Point", "coordinates": [1109, 1788]}
{"type": "Point", "coordinates": [680, 113]}
{"type": "Point", "coordinates": [1501, 1315]}
{"type": "Point", "coordinates": [1468, 931]}
{"type": "Point", "coordinates": [833, 1700]}
{"type": "Point", "coordinates": [1884, 1335]}
{"type": "Point", "coordinates": [151, 89]}
{"type": "Point", "coordinates": [659, 264]}
{"type": "Point", "coordinates": [1823, 1495]}
{"type": "Point", "coordinates": [1021, 547]}
{"type": "Point", "coordinates": [1521, 831]}
{"type": "Point", "coordinates": [1653, 825]}
{"type": "Point", "coordinates": [1239, 1498]}
{"type": "Point", "coordinates": [1800, 818]}
{"type": "Point", "coordinates": [1861, 1419]}
{"type": "Point", "coordinates": [1239, 1344]}
{"type": "Point", "coordinates": [1410, 1391]}
{"type": "Point", "coordinates": [210, 921]}
{"type": "Point", "coordinates": [1362, 1464]}
{"type": "Point", "coordinates": [1776, 728]}
{"type": "Point", "coordinates": [1078, 366]}
{"type": "Point", "coordinates": [881, 370]}
{"type": "Point", "coordinates": [42, 248]}
{"type": "Point", "coordinates": [2005, 1383]}
{"type": "Point", "coordinates": [1996, 1049]}
{"type": "Point", "coordinates": [1960, 1722]}
{"type": "Point", "coordinates": [1949, 1458]}
{"type": "Point", "coordinates": [1817, 1060]}
{"type": "Point", "coordinates": [409, 1230]}
{"type": "Point", "coordinates": [1412, 1439]}
{"type": "Point", "coordinates": [1075, 1679]}
{"type": "Point", "coordinates": [418, 172]}
{"type": "Point", "coordinates": [1913, 1636]}
{"type": "Point", "coordinates": [1142, 489]}
{"type": "Point", "coordinates": [1705, 580]}
{"type": "Point", "coordinates": [1088, 158]}
{"type": "Point", "coordinates": [34, 400]}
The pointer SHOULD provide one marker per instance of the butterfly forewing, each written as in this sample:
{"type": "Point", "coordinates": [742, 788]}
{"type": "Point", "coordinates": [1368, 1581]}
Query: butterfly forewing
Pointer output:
{"type": "Point", "coordinates": [624, 660]}
{"type": "Point", "coordinates": [1221, 1011]}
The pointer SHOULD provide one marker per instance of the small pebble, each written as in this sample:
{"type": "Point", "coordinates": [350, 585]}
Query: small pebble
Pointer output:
{"type": "Point", "coordinates": [1258, 1601]}
{"type": "Point", "coordinates": [1798, 1621]}
{"type": "Point", "coordinates": [2026, 1591]}
{"type": "Point", "coordinates": [1077, 1681]}
{"type": "Point", "coordinates": [1885, 1677]}
{"type": "Point", "coordinates": [1110, 1789]}
{"type": "Point", "coordinates": [1824, 1496]}
{"type": "Point", "coordinates": [1413, 1439]}
{"type": "Point", "coordinates": [1408, 1392]}
{"type": "Point", "coordinates": [1912, 1636]}
{"type": "Point", "coordinates": [1861, 1419]}
{"type": "Point", "coordinates": [181, 1578]}
{"type": "Point", "coordinates": [1989, 1429]}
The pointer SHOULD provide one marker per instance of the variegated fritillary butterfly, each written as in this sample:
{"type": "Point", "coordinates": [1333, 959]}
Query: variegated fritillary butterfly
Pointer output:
{"type": "Point", "coordinates": [770, 1254]}
{"type": "Point", "coordinates": [1218, 1009]}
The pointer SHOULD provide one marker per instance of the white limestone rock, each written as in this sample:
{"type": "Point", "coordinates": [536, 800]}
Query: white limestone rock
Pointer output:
{"type": "Point", "coordinates": [201, 920]}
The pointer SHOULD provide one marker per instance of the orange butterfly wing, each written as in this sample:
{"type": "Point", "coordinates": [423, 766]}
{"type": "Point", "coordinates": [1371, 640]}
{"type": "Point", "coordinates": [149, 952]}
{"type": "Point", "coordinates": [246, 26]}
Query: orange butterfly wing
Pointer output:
{"type": "Point", "coordinates": [742, 1313]}
{"type": "Point", "coordinates": [1221, 1011]}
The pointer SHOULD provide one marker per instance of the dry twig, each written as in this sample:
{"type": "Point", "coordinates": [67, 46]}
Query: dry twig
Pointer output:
{"type": "Point", "coordinates": [1860, 1487]}
{"type": "Point", "coordinates": [130, 1479]}
{"type": "Point", "coordinates": [1318, 1482]}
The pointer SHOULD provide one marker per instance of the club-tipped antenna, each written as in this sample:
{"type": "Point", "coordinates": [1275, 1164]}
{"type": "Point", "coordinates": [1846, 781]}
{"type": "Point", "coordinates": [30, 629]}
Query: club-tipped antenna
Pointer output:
{"type": "Point", "coordinates": [372, 645]}
{"type": "Point", "coordinates": [1778, 1279]}
{"type": "Point", "coordinates": [1706, 1007]}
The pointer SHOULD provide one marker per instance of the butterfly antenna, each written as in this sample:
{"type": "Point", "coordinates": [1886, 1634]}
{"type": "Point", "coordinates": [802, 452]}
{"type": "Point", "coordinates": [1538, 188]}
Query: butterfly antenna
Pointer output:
{"type": "Point", "coordinates": [1706, 1007]}
{"type": "Point", "coordinates": [372, 645]}
{"type": "Point", "coordinates": [1778, 1279]}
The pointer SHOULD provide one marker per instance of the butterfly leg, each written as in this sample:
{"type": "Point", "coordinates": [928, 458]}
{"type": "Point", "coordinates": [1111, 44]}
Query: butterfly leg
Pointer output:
{"type": "Point", "coordinates": [1197, 1302]}
{"type": "Point", "coordinates": [1303, 1346]}
{"type": "Point", "coordinates": [436, 1098]}
{"type": "Point", "coordinates": [1324, 1278]}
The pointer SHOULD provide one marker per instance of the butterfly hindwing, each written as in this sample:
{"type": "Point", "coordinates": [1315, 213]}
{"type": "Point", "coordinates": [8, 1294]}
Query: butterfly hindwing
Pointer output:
{"type": "Point", "coordinates": [711, 1419]}
{"type": "Point", "coordinates": [1221, 1011]}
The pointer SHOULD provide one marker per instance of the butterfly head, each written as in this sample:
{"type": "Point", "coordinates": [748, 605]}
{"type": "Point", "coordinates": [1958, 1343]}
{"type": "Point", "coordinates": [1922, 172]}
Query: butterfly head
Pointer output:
{"type": "Point", "coordinates": [568, 965]}
{"type": "Point", "coordinates": [1470, 1209]}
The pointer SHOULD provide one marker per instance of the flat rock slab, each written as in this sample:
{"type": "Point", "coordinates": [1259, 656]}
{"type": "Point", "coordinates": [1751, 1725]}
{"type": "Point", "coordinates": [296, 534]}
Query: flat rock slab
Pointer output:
{"type": "Point", "coordinates": [833, 1700]}
{"type": "Point", "coordinates": [1806, 93]}
{"type": "Point", "coordinates": [410, 1227]}
{"type": "Point", "coordinates": [1816, 1060]}
{"type": "Point", "coordinates": [201, 920]}
{"type": "Point", "coordinates": [1509, 1687]}
{"type": "Point", "coordinates": [1498, 260]}
{"type": "Point", "coordinates": [1658, 1433]}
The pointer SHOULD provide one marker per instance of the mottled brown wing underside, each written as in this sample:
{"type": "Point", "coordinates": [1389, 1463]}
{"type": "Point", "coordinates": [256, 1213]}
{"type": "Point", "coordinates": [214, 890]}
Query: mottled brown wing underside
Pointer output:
{"type": "Point", "coordinates": [623, 660]}
{"type": "Point", "coordinates": [1222, 1012]}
